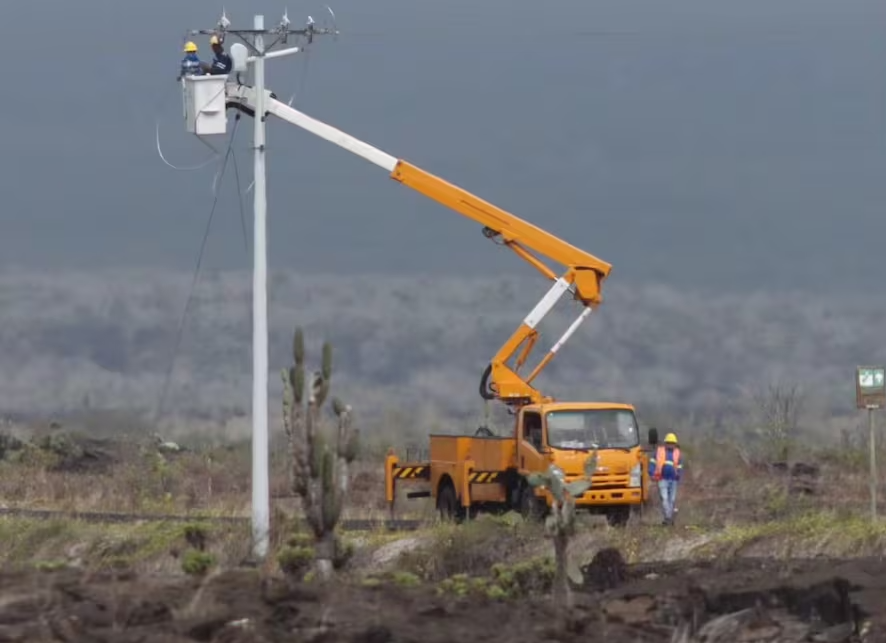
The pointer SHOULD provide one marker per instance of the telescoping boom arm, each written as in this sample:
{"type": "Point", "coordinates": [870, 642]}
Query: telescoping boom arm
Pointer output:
{"type": "Point", "coordinates": [583, 277]}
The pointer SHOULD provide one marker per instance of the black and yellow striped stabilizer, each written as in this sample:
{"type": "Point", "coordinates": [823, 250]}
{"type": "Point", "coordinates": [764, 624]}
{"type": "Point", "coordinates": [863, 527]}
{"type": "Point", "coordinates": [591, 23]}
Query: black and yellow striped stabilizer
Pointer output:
{"type": "Point", "coordinates": [411, 472]}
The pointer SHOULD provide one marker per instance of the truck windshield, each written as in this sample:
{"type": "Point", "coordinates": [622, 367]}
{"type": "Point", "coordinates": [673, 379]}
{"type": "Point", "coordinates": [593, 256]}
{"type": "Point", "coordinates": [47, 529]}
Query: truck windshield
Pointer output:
{"type": "Point", "coordinates": [592, 429]}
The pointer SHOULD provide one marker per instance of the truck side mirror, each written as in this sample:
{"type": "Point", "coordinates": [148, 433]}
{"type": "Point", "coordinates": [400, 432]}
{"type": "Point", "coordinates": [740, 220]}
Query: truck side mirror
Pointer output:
{"type": "Point", "coordinates": [653, 436]}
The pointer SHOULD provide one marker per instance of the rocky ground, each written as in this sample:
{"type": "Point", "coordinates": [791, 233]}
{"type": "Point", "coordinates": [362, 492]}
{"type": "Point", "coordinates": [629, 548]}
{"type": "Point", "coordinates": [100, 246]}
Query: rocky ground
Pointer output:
{"type": "Point", "coordinates": [740, 601]}
{"type": "Point", "coordinates": [714, 587]}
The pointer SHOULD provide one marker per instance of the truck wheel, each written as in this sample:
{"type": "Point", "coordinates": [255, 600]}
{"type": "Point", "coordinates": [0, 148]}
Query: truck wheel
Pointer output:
{"type": "Point", "coordinates": [618, 516]}
{"type": "Point", "coordinates": [447, 504]}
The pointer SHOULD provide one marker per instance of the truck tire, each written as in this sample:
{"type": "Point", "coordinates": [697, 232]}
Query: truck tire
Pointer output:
{"type": "Point", "coordinates": [447, 504]}
{"type": "Point", "coordinates": [618, 516]}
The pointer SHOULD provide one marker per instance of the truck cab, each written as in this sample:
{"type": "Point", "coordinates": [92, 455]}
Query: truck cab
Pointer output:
{"type": "Point", "coordinates": [564, 434]}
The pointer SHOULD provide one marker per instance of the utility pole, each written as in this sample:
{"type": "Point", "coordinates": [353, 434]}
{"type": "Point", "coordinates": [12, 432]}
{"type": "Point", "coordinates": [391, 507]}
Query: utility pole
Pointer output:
{"type": "Point", "coordinates": [261, 502]}
{"type": "Point", "coordinates": [254, 40]}
{"type": "Point", "coordinates": [872, 436]}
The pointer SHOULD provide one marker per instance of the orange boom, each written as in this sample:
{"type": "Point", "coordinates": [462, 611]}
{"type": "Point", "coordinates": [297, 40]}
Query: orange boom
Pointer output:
{"type": "Point", "coordinates": [475, 471]}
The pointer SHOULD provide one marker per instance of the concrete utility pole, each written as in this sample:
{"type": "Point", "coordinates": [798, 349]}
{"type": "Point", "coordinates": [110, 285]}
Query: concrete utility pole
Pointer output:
{"type": "Point", "coordinates": [254, 40]}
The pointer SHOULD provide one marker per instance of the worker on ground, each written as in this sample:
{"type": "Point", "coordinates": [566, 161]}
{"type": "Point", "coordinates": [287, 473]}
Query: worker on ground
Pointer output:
{"type": "Point", "coordinates": [221, 64]}
{"type": "Point", "coordinates": [666, 468]}
{"type": "Point", "coordinates": [191, 65]}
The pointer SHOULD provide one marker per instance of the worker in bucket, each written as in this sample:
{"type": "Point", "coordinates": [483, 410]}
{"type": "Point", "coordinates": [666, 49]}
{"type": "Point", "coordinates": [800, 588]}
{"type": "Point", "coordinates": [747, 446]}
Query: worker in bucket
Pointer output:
{"type": "Point", "coordinates": [191, 65]}
{"type": "Point", "coordinates": [221, 63]}
{"type": "Point", "coordinates": [666, 469]}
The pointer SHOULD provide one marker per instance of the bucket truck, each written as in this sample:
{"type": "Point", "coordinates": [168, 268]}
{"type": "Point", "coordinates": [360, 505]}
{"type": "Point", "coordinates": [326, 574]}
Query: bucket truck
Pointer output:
{"type": "Point", "coordinates": [470, 472]}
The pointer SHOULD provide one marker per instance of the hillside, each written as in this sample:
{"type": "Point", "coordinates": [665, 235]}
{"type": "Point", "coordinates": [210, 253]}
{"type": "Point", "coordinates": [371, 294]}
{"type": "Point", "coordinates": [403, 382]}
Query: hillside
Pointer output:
{"type": "Point", "coordinates": [419, 344]}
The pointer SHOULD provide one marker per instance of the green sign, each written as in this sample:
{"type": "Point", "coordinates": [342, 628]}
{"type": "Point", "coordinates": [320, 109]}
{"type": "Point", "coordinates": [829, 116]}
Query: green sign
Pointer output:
{"type": "Point", "coordinates": [871, 377]}
{"type": "Point", "coordinates": [870, 386]}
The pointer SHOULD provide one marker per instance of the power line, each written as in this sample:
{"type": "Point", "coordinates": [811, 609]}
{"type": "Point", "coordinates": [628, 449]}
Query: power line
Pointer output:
{"type": "Point", "coordinates": [194, 279]}
{"type": "Point", "coordinates": [240, 195]}
{"type": "Point", "coordinates": [498, 38]}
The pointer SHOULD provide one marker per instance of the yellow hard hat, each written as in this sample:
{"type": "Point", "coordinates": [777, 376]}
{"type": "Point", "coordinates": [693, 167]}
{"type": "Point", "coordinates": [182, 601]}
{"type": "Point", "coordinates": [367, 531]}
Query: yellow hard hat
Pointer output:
{"type": "Point", "coordinates": [214, 40]}
{"type": "Point", "coordinates": [671, 438]}
{"type": "Point", "coordinates": [190, 46]}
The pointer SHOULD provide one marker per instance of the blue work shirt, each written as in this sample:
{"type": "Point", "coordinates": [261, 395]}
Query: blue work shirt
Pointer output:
{"type": "Point", "coordinates": [221, 64]}
{"type": "Point", "coordinates": [191, 65]}
{"type": "Point", "coordinates": [671, 465]}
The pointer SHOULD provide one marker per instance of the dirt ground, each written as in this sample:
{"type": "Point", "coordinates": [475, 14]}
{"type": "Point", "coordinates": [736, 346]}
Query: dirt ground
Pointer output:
{"type": "Point", "coordinates": [742, 601]}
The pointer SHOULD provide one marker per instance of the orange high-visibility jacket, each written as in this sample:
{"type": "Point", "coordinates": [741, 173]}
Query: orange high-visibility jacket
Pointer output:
{"type": "Point", "coordinates": [666, 464]}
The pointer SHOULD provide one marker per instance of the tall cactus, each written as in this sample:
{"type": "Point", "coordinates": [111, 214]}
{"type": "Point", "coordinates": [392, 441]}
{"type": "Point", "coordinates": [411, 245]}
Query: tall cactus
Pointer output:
{"type": "Point", "coordinates": [319, 462]}
{"type": "Point", "coordinates": [560, 522]}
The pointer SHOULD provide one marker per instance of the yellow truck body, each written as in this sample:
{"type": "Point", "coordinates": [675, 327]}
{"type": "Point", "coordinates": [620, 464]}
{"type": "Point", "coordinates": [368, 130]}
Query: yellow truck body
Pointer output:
{"type": "Point", "coordinates": [467, 473]}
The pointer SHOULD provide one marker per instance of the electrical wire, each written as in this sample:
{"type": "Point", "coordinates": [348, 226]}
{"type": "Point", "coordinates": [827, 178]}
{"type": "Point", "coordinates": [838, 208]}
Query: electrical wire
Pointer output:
{"type": "Point", "coordinates": [215, 153]}
{"type": "Point", "coordinates": [299, 91]}
{"type": "Point", "coordinates": [503, 37]}
{"type": "Point", "coordinates": [299, 88]}
{"type": "Point", "coordinates": [195, 277]}
{"type": "Point", "coordinates": [230, 153]}
{"type": "Point", "coordinates": [211, 159]}
{"type": "Point", "coordinates": [240, 200]}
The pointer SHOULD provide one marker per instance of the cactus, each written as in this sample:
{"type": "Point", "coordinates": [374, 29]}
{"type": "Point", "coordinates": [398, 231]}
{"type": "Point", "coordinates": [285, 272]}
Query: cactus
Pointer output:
{"type": "Point", "coordinates": [319, 471]}
{"type": "Point", "coordinates": [560, 523]}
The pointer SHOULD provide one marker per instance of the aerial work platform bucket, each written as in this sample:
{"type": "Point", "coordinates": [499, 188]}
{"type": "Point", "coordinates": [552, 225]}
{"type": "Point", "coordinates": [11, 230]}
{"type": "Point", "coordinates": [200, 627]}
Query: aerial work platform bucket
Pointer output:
{"type": "Point", "coordinates": [204, 101]}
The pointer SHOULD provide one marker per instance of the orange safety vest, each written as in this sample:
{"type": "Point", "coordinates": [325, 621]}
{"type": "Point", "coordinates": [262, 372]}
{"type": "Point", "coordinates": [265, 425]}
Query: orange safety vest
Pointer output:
{"type": "Point", "coordinates": [660, 460]}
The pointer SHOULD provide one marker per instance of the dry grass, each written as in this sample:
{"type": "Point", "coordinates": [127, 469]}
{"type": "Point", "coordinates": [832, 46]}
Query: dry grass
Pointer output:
{"type": "Point", "coordinates": [728, 506]}
{"type": "Point", "coordinates": [722, 488]}
{"type": "Point", "coordinates": [156, 547]}
{"type": "Point", "coordinates": [151, 483]}
{"type": "Point", "coordinates": [216, 482]}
